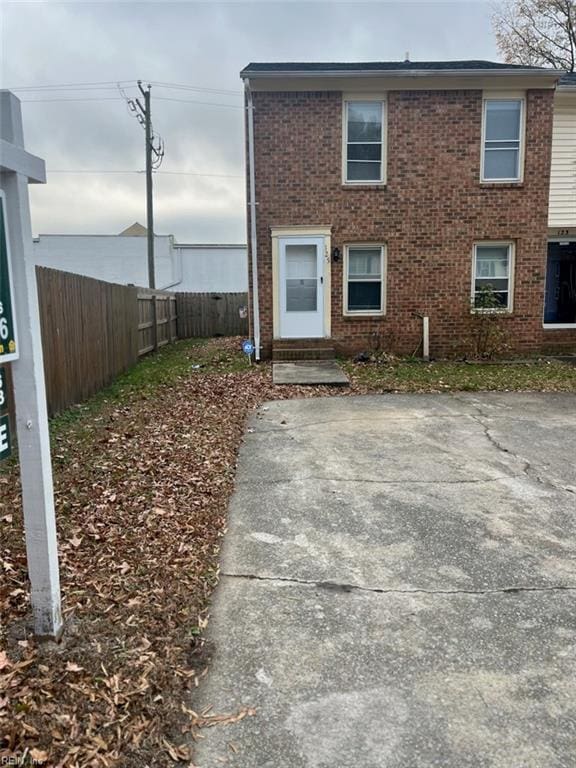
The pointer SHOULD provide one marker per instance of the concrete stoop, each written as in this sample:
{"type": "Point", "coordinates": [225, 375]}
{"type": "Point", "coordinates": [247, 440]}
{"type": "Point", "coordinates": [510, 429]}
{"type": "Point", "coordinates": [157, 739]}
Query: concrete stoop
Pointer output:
{"type": "Point", "coordinates": [310, 372]}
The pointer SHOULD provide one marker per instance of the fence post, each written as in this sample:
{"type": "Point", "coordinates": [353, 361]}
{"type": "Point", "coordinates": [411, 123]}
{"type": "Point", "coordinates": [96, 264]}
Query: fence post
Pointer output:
{"type": "Point", "coordinates": [154, 322]}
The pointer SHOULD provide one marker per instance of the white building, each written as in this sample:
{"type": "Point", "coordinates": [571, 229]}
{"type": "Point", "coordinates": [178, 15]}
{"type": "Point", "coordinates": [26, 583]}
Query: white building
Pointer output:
{"type": "Point", "coordinates": [202, 268]}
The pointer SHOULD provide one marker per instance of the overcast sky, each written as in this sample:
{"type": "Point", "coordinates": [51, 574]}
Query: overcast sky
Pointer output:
{"type": "Point", "coordinates": [203, 45]}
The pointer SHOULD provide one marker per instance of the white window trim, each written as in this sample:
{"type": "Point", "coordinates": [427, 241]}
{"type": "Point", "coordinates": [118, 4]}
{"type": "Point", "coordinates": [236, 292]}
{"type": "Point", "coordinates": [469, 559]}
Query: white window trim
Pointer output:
{"type": "Point", "coordinates": [364, 97]}
{"type": "Point", "coordinates": [383, 279]}
{"type": "Point", "coordinates": [511, 267]}
{"type": "Point", "coordinates": [521, 97]}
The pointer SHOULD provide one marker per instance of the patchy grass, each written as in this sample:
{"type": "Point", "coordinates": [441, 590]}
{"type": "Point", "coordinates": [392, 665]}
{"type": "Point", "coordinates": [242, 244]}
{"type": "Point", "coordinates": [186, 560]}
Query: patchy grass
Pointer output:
{"type": "Point", "coordinates": [143, 474]}
{"type": "Point", "coordinates": [165, 369]}
{"type": "Point", "coordinates": [416, 376]}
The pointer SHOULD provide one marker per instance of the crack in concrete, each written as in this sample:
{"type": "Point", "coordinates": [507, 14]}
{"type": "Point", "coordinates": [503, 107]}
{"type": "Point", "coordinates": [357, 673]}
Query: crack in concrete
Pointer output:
{"type": "Point", "coordinates": [411, 481]}
{"type": "Point", "coordinates": [386, 417]}
{"type": "Point", "coordinates": [333, 586]}
{"type": "Point", "coordinates": [528, 470]}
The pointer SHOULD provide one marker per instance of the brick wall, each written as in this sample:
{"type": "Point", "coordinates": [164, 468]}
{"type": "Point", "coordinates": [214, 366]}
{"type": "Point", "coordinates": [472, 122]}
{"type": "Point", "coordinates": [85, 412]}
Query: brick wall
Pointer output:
{"type": "Point", "coordinates": [429, 214]}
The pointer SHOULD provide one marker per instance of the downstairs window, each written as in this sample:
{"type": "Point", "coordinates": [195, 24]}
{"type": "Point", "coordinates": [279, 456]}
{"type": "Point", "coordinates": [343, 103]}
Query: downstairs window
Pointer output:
{"type": "Point", "coordinates": [364, 280]}
{"type": "Point", "coordinates": [492, 270]}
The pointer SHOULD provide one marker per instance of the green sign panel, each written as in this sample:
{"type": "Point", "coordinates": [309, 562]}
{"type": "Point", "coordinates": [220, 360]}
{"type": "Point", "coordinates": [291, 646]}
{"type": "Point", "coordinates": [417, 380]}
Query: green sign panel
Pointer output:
{"type": "Point", "coordinates": [8, 341]}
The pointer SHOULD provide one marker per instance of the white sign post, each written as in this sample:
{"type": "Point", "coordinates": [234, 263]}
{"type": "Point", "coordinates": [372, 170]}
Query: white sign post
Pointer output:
{"type": "Point", "coordinates": [17, 169]}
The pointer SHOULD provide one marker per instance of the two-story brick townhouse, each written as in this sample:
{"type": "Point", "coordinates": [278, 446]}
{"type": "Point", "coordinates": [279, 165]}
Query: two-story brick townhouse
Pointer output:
{"type": "Point", "coordinates": [383, 192]}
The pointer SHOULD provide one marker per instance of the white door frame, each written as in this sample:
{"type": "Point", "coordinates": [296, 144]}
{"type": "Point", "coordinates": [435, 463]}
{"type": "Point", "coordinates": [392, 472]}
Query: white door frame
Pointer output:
{"type": "Point", "coordinates": [309, 233]}
{"type": "Point", "coordinates": [306, 323]}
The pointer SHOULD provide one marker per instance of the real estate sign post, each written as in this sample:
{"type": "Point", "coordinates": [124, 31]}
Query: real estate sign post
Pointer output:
{"type": "Point", "coordinates": [18, 168]}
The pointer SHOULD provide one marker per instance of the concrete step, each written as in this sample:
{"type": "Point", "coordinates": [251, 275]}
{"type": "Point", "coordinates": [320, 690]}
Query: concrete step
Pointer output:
{"type": "Point", "coordinates": [302, 353]}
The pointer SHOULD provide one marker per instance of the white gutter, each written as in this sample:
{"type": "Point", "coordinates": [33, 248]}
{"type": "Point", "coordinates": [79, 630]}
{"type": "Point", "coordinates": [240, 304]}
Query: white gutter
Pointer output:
{"type": "Point", "coordinates": [415, 73]}
{"type": "Point", "coordinates": [252, 206]}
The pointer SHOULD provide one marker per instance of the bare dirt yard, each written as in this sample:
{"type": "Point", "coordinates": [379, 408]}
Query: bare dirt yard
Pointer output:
{"type": "Point", "coordinates": [143, 474]}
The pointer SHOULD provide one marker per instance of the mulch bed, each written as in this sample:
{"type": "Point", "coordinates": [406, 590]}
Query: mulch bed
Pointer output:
{"type": "Point", "coordinates": [141, 495]}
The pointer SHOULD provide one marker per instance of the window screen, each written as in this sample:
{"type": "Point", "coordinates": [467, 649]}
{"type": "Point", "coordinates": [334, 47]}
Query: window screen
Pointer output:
{"type": "Point", "coordinates": [502, 136]}
{"type": "Point", "coordinates": [364, 141]}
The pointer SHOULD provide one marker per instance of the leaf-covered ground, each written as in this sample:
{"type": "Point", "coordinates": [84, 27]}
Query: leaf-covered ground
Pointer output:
{"type": "Point", "coordinates": [143, 473]}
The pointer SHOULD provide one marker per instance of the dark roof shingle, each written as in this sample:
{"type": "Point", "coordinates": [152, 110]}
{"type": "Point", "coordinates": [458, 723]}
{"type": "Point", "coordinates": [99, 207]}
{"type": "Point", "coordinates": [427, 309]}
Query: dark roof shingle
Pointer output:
{"type": "Point", "coordinates": [383, 66]}
{"type": "Point", "coordinates": [568, 79]}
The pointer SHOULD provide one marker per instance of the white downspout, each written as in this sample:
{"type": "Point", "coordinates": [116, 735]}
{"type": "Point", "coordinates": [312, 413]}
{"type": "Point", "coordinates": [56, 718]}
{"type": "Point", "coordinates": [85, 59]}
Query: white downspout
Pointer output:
{"type": "Point", "coordinates": [426, 338]}
{"type": "Point", "coordinates": [252, 206]}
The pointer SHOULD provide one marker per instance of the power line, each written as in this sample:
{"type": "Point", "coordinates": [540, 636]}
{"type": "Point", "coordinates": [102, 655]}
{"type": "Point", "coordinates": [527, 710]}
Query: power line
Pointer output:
{"type": "Point", "coordinates": [168, 173]}
{"type": "Point", "coordinates": [118, 98]}
{"type": "Point", "coordinates": [105, 85]}
{"type": "Point", "coordinates": [203, 89]}
{"type": "Point", "coordinates": [57, 86]}
{"type": "Point", "coordinates": [81, 98]}
{"type": "Point", "coordinates": [205, 103]}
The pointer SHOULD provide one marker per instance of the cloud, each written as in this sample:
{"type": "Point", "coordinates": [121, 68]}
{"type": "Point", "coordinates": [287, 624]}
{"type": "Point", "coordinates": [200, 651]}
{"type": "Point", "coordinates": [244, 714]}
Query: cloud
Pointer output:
{"type": "Point", "coordinates": [201, 44]}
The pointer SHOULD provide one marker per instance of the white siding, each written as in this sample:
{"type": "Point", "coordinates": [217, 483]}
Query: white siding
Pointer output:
{"type": "Point", "coordinates": [112, 258]}
{"type": "Point", "coordinates": [117, 259]}
{"type": "Point", "coordinates": [213, 268]}
{"type": "Point", "coordinates": [563, 173]}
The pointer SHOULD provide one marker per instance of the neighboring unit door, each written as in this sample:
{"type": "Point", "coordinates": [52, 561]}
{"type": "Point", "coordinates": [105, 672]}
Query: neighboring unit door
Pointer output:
{"type": "Point", "coordinates": [301, 287]}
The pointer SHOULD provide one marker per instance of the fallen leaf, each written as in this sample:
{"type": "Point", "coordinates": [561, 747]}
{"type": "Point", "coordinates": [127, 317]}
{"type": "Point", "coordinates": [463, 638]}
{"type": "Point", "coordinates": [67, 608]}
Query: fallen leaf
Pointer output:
{"type": "Point", "coordinates": [72, 667]}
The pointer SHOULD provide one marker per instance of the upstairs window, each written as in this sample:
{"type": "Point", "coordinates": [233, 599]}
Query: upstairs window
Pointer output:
{"type": "Point", "coordinates": [503, 133]}
{"type": "Point", "coordinates": [364, 142]}
{"type": "Point", "coordinates": [364, 280]}
{"type": "Point", "coordinates": [492, 283]}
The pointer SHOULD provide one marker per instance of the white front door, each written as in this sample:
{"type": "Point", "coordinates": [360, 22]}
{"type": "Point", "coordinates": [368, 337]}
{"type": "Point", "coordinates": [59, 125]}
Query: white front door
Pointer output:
{"type": "Point", "coordinates": [301, 287]}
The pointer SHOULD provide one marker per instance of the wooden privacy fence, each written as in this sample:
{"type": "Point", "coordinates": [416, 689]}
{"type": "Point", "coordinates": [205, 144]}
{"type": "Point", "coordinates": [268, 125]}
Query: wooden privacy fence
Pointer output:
{"type": "Point", "coordinates": [156, 311]}
{"type": "Point", "coordinates": [92, 330]}
{"type": "Point", "coordinates": [89, 334]}
{"type": "Point", "coordinates": [212, 314]}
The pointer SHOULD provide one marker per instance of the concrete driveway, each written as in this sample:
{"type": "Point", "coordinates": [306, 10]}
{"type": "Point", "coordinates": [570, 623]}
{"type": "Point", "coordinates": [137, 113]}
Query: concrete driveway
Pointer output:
{"type": "Point", "coordinates": [398, 586]}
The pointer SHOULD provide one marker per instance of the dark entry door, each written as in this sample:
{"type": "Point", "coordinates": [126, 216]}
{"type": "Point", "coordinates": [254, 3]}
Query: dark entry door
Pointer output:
{"type": "Point", "coordinates": [560, 303]}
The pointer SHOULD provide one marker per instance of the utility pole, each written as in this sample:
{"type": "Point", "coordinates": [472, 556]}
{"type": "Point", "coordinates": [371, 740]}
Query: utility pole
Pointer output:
{"type": "Point", "coordinates": [149, 194]}
{"type": "Point", "coordinates": [154, 155]}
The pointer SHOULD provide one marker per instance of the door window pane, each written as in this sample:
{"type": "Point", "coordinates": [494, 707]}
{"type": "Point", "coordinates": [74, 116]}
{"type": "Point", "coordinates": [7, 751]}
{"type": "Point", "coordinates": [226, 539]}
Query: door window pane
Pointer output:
{"type": "Point", "coordinates": [301, 296]}
{"type": "Point", "coordinates": [301, 278]}
{"type": "Point", "coordinates": [301, 261]}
